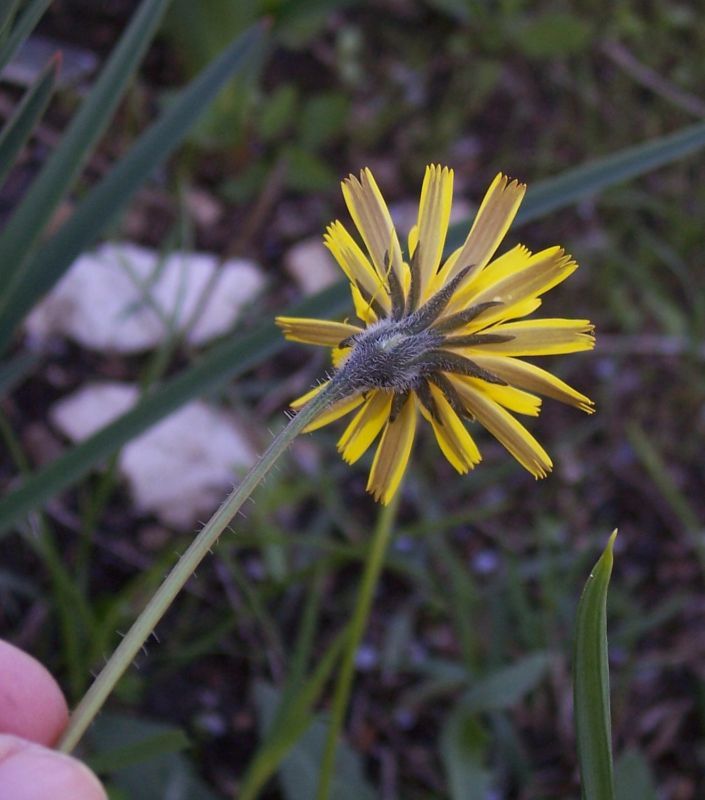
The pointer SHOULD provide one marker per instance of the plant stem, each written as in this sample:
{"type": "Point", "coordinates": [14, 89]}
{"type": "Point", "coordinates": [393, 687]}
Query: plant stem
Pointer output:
{"type": "Point", "coordinates": [155, 609]}
{"type": "Point", "coordinates": [358, 623]}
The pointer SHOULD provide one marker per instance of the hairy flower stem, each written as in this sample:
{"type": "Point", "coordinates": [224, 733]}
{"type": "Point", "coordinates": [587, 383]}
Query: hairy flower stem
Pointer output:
{"type": "Point", "coordinates": [155, 609]}
{"type": "Point", "coordinates": [356, 629]}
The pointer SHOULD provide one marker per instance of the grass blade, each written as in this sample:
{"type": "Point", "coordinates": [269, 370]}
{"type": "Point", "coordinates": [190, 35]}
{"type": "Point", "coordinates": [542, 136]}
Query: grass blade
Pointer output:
{"type": "Point", "coordinates": [61, 170]}
{"type": "Point", "coordinates": [293, 716]}
{"type": "Point", "coordinates": [15, 371]}
{"type": "Point", "coordinates": [8, 9]}
{"type": "Point", "coordinates": [597, 175]}
{"type": "Point", "coordinates": [25, 25]}
{"type": "Point", "coordinates": [21, 124]}
{"type": "Point", "coordinates": [105, 201]}
{"type": "Point", "coordinates": [591, 683]}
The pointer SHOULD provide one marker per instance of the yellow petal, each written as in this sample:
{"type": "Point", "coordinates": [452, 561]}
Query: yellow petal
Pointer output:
{"type": "Point", "coordinates": [365, 426]}
{"type": "Point", "coordinates": [393, 453]}
{"type": "Point", "coordinates": [495, 215]}
{"type": "Point", "coordinates": [316, 331]}
{"type": "Point", "coordinates": [508, 263]}
{"type": "Point", "coordinates": [508, 396]}
{"type": "Point", "coordinates": [529, 376]}
{"type": "Point", "coordinates": [339, 355]}
{"type": "Point", "coordinates": [507, 430]}
{"type": "Point", "coordinates": [432, 226]}
{"type": "Point", "coordinates": [538, 337]}
{"type": "Point", "coordinates": [371, 216]}
{"type": "Point", "coordinates": [300, 402]}
{"type": "Point", "coordinates": [355, 263]}
{"type": "Point", "coordinates": [540, 272]}
{"type": "Point", "coordinates": [363, 308]}
{"type": "Point", "coordinates": [413, 240]}
{"type": "Point", "coordinates": [452, 436]}
{"type": "Point", "coordinates": [334, 412]}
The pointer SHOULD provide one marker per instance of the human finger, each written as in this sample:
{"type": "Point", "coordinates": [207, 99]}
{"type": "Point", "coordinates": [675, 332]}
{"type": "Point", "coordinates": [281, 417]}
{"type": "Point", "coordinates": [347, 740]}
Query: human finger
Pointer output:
{"type": "Point", "coordinates": [32, 705]}
{"type": "Point", "coordinates": [30, 771]}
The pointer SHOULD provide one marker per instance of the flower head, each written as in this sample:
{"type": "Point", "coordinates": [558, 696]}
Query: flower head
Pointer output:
{"type": "Point", "coordinates": [440, 338]}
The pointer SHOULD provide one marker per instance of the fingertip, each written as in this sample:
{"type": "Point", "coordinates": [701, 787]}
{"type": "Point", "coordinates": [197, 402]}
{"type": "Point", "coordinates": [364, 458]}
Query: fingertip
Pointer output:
{"type": "Point", "coordinates": [32, 705]}
{"type": "Point", "coordinates": [31, 772]}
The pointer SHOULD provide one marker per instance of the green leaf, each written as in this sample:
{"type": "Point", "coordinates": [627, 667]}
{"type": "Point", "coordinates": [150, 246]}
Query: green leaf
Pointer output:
{"type": "Point", "coordinates": [105, 201]}
{"type": "Point", "coordinates": [299, 771]}
{"type": "Point", "coordinates": [143, 760]}
{"type": "Point", "coordinates": [464, 750]}
{"type": "Point", "coordinates": [306, 172]}
{"type": "Point", "coordinates": [505, 687]}
{"type": "Point", "coordinates": [283, 722]}
{"type": "Point", "coordinates": [633, 778]}
{"type": "Point", "coordinates": [25, 25]}
{"type": "Point", "coordinates": [8, 9]}
{"type": "Point", "coordinates": [18, 128]}
{"type": "Point", "coordinates": [591, 683]}
{"type": "Point", "coordinates": [61, 170]}
{"type": "Point", "coordinates": [322, 118]}
{"type": "Point", "coordinates": [14, 371]}
{"type": "Point", "coordinates": [597, 175]}
{"type": "Point", "coordinates": [553, 34]}
{"type": "Point", "coordinates": [278, 112]}
{"type": "Point", "coordinates": [153, 745]}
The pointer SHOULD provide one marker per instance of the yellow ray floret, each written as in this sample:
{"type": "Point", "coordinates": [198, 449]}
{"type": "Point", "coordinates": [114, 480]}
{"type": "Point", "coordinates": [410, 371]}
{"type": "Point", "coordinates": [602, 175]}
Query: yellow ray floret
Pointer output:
{"type": "Point", "coordinates": [505, 428]}
{"type": "Point", "coordinates": [539, 337]}
{"type": "Point", "coordinates": [355, 263]}
{"type": "Point", "coordinates": [432, 225]}
{"type": "Point", "coordinates": [374, 222]}
{"type": "Point", "coordinates": [452, 436]}
{"type": "Point", "coordinates": [529, 376]}
{"type": "Point", "coordinates": [316, 331]}
{"type": "Point", "coordinates": [365, 426]}
{"type": "Point", "coordinates": [393, 453]}
{"type": "Point", "coordinates": [495, 215]}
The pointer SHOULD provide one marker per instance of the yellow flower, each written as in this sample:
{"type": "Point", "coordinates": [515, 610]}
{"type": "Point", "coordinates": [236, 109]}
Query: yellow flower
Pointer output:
{"type": "Point", "coordinates": [440, 338]}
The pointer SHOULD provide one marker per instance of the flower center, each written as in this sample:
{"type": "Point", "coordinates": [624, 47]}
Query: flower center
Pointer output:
{"type": "Point", "coordinates": [388, 355]}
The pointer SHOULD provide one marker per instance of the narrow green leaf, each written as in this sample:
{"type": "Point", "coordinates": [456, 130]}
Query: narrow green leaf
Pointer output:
{"type": "Point", "coordinates": [14, 371]}
{"type": "Point", "coordinates": [8, 9]}
{"type": "Point", "coordinates": [160, 770]}
{"type": "Point", "coordinates": [61, 170]}
{"type": "Point", "coordinates": [171, 740]}
{"type": "Point", "coordinates": [597, 175]}
{"type": "Point", "coordinates": [505, 687]}
{"type": "Point", "coordinates": [633, 778]}
{"type": "Point", "coordinates": [298, 773]}
{"type": "Point", "coordinates": [105, 201]}
{"type": "Point", "coordinates": [464, 750]}
{"type": "Point", "coordinates": [31, 15]}
{"type": "Point", "coordinates": [591, 683]}
{"type": "Point", "coordinates": [285, 723]}
{"type": "Point", "coordinates": [18, 128]}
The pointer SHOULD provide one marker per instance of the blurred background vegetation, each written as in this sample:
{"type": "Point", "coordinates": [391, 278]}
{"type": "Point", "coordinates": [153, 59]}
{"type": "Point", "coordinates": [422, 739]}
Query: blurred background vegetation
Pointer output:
{"type": "Point", "coordinates": [463, 687]}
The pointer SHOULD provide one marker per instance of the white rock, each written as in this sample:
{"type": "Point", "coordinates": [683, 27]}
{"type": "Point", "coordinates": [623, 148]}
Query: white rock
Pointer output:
{"type": "Point", "coordinates": [181, 468]}
{"type": "Point", "coordinates": [311, 265]}
{"type": "Point", "coordinates": [124, 298]}
{"type": "Point", "coordinates": [91, 408]}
